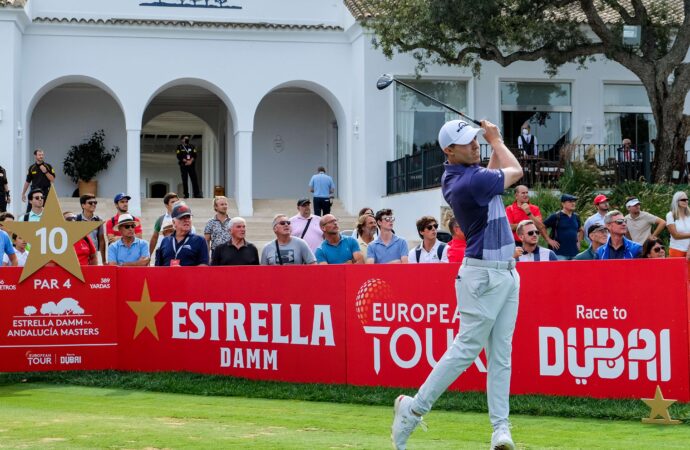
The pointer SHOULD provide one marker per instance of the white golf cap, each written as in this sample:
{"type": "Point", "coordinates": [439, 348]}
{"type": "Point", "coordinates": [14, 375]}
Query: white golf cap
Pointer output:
{"type": "Point", "coordinates": [457, 132]}
{"type": "Point", "coordinates": [632, 202]}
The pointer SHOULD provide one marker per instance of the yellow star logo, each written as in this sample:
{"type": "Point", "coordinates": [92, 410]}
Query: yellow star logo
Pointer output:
{"type": "Point", "coordinates": [51, 239]}
{"type": "Point", "coordinates": [659, 409]}
{"type": "Point", "coordinates": [146, 311]}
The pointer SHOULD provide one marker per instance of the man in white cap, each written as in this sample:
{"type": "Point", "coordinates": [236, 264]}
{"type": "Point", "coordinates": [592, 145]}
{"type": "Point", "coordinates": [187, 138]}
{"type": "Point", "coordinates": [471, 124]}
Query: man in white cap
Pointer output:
{"type": "Point", "coordinates": [487, 285]}
{"type": "Point", "coordinates": [129, 250]}
{"type": "Point", "coordinates": [640, 222]}
{"type": "Point", "coordinates": [601, 203]}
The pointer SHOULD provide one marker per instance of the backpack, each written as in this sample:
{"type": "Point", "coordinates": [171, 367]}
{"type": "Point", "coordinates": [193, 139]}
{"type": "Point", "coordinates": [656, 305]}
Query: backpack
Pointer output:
{"type": "Point", "coordinates": [439, 251]}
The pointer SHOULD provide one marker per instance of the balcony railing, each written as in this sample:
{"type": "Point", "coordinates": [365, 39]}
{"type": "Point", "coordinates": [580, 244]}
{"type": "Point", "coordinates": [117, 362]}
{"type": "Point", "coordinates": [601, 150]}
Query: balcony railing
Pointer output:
{"type": "Point", "coordinates": [423, 169]}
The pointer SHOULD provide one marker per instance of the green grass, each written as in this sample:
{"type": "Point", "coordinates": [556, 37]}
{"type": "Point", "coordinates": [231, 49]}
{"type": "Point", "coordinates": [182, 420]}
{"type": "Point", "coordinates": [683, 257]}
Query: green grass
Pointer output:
{"type": "Point", "coordinates": [49, 416]}
{"type": "Point", "coordinates": [210, 385]}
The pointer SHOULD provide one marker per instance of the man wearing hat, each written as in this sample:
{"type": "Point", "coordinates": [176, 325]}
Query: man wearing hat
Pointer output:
{"type": "Point", "coordinates": [601, 203]}
{"type": "Point", "coordinates": [487, 285]}
{"type": "Point", "coordinates": [305, 225]}
{"type": "Point", "coordinates": [640, 222]}
{"type": "Point", "coordinates": [121, 201]}
{"type": "Point", "coordinates": [598, 234]}
{"type": "Point", "coordinates": [566, 229]}
{"type": "Point", "coordinates": [183, 247]}
{"type": "Point", "coordinates": [129, 250]}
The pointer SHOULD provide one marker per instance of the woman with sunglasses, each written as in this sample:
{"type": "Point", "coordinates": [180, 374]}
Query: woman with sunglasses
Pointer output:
{"type": "Point", "coordinates": [653, 247]}
{"type": "Point", "coordinates": [678, 224]}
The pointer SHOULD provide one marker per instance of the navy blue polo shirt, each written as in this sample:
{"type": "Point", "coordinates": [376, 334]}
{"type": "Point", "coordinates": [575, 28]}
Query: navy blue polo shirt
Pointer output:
{"type": "Point", "coordinates": [474, 195]}
{"type": "Point", "coordinates": [564, 232]}
{"type": "Point", "coordinates": [192, 251]}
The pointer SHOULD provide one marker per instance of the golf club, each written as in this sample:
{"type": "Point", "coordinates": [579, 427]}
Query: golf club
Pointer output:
{"type": "Point", "coordinates": [386, 80]}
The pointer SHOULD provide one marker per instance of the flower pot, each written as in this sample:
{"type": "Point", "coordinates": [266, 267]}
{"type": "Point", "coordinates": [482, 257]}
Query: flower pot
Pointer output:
{"type": "Point", "coordinates": [88, 187]}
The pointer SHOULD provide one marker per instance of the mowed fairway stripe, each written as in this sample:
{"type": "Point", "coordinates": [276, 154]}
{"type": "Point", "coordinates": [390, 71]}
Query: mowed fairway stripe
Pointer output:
{"type": "Point", "coordinates": [48, 416]}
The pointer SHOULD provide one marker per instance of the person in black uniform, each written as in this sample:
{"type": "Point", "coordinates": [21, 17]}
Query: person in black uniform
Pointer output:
{"type": "Point", "coordinates": [40, 176]}
{"type": "Point", "coordinates": [186, 158]}
{"type": "Point", "coordinates": [4, 191]}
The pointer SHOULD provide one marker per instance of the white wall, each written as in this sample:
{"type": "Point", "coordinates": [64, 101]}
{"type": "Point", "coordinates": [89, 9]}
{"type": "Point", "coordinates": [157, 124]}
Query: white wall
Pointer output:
{"type": "Point", "coordinates": [302, 120]}
{"type": "Point", "coordinates": [407, 208]}
{"type": "Point", "coordinates": [65, 117]}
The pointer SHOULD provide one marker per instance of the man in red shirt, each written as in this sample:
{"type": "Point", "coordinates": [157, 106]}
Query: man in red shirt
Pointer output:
{"type": "Point", "coordinates": [86, 251]}
{"type": "Point", "coordinates": [457, 245]}
{"type": "Point", "coordinates": [522, 209]}
{"type": "Point", "coordinates": [122, 206]}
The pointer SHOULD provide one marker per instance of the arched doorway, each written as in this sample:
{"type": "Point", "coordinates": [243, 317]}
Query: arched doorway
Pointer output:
{"type": "Point", "coordinates": [159, 139]}
{"type": "Point", "coordinates": [69, 114]}
{"type": "Point", "coordinates": [295, 131]}
{"type": "Point", "coordinates": [186, 110]}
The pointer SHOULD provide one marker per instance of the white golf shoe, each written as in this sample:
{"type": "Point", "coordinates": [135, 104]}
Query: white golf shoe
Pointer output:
{"type": "Point", "coordinates": [501, 438]}
{"type": "Point", "coordinates": [404, 422]}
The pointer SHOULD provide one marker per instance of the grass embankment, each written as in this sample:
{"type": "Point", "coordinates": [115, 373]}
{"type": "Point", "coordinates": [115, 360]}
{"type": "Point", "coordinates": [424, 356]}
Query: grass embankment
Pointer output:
{"type": "Point", "coordinates": [211, 385]}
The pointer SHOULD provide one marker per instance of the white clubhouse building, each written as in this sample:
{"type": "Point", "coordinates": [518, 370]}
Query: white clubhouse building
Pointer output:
{"type": "Point", "coordinates": [269, 90]}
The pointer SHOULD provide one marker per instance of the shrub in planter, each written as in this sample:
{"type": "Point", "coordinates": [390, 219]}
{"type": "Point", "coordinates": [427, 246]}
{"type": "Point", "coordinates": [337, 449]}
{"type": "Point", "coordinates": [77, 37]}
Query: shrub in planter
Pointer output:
{"type": "Point", "coordinates": [85, 160]}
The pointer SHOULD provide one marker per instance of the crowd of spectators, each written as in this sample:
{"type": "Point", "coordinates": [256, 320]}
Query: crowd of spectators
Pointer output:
{"type": "Point", "coordinates": [306, 238]}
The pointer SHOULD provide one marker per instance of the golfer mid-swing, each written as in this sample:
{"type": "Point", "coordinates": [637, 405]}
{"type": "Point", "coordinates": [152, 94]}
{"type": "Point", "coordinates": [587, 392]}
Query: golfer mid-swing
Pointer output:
{"type": "Point", "coordinates": [487, 284]}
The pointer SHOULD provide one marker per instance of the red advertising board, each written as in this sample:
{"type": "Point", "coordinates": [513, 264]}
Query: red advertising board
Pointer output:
{"type": "Point", "coordinates": [53, 321]}
{"type": "Point", "coordinates": [594, 329]}
{"type": "Point", "coordinates": [272, 323]}
{"type": "Point", "coordinates": [611, 329]}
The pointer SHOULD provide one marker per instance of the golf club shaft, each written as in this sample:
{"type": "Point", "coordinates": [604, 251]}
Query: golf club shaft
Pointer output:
{"type": "Point", "coordinates": [437, 101]}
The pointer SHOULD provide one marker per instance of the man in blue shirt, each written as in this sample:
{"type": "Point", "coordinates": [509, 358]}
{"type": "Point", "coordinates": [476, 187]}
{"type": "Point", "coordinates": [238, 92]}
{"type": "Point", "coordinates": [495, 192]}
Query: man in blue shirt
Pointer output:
{"type": "Point", "coordinates": [336, 248]}
{"type": "Point", "coordinates": [487, 285]}
{"type": "Point", "coordinates": [618, 246]}
{"type": "Point", "coordinates": [388, 248]}
{"type": "Point", "coordinates": [6, 248]}
{"type": "Point", "coordinates": [322, 186]}
{"type": "Point", "coordinates": [129, 250]}
{"type": "Point", "coordinates": [566, 229]}
{"type": "Point", "coordinates": [183, 247]}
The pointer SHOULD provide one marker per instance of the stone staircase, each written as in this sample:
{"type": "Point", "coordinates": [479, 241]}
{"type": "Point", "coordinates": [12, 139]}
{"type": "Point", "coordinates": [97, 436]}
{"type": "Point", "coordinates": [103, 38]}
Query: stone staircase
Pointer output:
{"type": "Point", "coordinates": [259, 230]}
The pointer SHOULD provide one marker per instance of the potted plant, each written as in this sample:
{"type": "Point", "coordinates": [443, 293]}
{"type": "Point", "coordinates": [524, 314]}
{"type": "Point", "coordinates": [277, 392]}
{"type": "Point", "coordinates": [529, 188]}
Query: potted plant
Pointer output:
{"type": "Point", "coordinates": [85, 160]}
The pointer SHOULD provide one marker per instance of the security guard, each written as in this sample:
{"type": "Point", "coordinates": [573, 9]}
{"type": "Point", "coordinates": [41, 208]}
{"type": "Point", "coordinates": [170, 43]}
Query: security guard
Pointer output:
{"type": "Point", "coordinates": [40, 176]}
{"type": "Point", "coordinates": [186, 158]}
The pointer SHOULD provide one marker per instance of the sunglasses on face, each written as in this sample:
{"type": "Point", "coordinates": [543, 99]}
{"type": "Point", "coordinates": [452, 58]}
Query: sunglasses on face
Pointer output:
{"type": "Point", "coordinates": [620, 221]}
{"type": "Point", "coordinates": [128, 226]}
{"type": "Point", "coordinates": [70, 219]}
{"type": "Point", "coordinates": [682, 199]}
{"type": "Point", "coordinates": [432, 227]}
{"type": "Point", "coordinates": [658, 249]}
{"type": "Point", "coordinates": [532, 233]}
{"type": "Point", "coordinates": [37, 198]}
{"type": "Point", "coordinates": [389, 219]}
{"type": "Point", "coordinates": [92, 202]}
{"type": "Point", "coordinates": [284, 222]}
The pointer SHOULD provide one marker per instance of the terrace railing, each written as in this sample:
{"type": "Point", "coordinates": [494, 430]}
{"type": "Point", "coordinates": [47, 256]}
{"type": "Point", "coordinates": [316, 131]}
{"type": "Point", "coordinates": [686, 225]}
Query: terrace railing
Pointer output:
{"type": "Point", "coordinates": [423, 169]}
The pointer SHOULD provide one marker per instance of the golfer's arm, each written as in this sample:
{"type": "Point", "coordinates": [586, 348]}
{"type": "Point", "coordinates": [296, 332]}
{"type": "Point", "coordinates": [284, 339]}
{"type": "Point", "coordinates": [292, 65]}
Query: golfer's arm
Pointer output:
{"type": "Point", "coordinates": [505, 161]}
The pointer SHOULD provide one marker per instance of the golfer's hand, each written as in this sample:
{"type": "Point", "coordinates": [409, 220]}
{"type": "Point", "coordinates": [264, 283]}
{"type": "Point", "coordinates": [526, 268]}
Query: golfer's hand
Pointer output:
{"type": "Point", "coordinates": [491, 132]}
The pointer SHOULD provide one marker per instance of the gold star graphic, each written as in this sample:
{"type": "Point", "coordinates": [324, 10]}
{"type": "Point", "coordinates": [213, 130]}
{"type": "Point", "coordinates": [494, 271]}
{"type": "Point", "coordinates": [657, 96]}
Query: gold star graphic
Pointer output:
{"type": "Point", "coordinates": [659, 409]}
{"type": "Point", "coordinates": [146, 311]}
{"type": "Point", "coordinates": [51, 239]}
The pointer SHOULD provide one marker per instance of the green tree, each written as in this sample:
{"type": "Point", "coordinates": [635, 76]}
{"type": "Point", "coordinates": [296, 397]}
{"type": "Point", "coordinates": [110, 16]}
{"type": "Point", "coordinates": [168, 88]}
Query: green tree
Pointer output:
{"type": "Point", "coordinates": [467, 32]}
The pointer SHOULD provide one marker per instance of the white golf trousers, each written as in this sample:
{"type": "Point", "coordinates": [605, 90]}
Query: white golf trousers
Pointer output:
{"type": "Point", "coordinates": [488, 305]}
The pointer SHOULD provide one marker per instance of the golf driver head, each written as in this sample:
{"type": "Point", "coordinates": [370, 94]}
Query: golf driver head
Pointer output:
{"type": "Point", "coordinates": [384, 81]}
